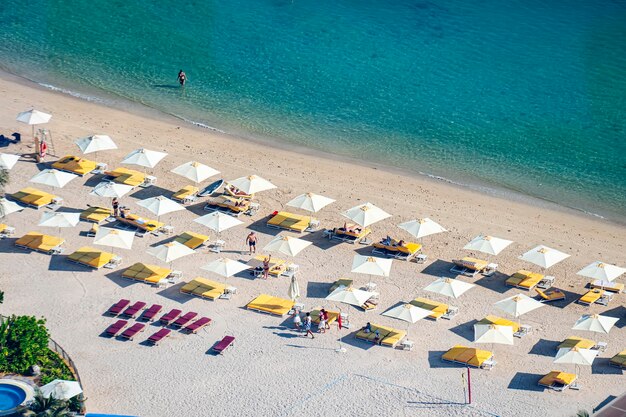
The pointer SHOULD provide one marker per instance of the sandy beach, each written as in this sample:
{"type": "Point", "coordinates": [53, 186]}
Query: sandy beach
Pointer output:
{"type": "Point", "coordinates": [273, 370]}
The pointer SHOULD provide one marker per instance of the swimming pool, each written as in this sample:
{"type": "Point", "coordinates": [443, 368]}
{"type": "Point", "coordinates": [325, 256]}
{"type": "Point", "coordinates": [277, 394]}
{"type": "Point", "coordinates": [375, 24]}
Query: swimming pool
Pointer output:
{"type": "Point", "coordinates": [12, 394]}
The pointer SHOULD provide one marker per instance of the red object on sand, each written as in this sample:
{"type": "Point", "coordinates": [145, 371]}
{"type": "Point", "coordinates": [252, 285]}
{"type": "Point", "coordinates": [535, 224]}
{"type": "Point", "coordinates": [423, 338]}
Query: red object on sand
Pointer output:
{"type": "Point", "coordinates": [339, 321]}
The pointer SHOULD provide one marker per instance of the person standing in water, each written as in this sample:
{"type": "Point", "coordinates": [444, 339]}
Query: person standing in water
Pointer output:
{"type": "Point", "coordinates": [182, 78]}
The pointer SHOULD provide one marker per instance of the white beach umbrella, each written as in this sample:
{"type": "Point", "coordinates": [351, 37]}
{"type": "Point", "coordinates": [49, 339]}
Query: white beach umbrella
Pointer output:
{"type": "Point", "coordinates": [294, 288]}
{"type": "Point", "coordinates": [595, 323]}
{"type": "Point", "coordinates": [350, 296]}
{"type": "Point", "coordinates": [59, 219]}
{"type": "Point", "coordinates": [365, 214]}
{"type": "Point", "coordinates": [449, 287]}
{"type": "Point", "coordinates": [61, 390]}
{"type": "Point", "coordinates": [488, 244]}
{"type": "Point", "coordinates": [371, 265]}
{"type": "Point", "coordinates": [422, 227]}
{"type": "Point", "coordinates": [225, 267]}
{"type": "Point", "coordinates": [493, 333]}
{"type": "Point", "coordinates": [252, 184]}
{"type": "Point", "coordinates": [287, 245]}
{"type": "Point", "coordinates": [33, 117]}
{"type": "Point", "coordinates": [114, 238]}
{"type": "Point", "coordinates": [111, 189]}
{"type": "Point", "coordinates": [95, 143]}
{"type": "Point", "coordinates": [169, 252]}
{"type": "Point", "coordinates": [195, 171]}
{"type": "Point", "coordinates": [543, 256]}
{"type": "Point", "coordinates": [53, 178]}
{"type": "Point", "coordinates": [144, 157]}
{"type": "Point", "coordinates": [576, 356]}
{"type": "Point", "coordinates": [602, 271]}
{"type": "Point", "coordinates": [310, 202]}
{"type": "Point", "coordinates": [218, 221]}
{"type": "Point", "coordinates": [160, 205]}
{"type": "Point", "coordinates": [518, 304]}
{"type": "Point", "coordinates": [8, 207]}
{"type": "Point", "coordinates": [408, 312]}
{"type": "Point", "coordinates": [8, 160]}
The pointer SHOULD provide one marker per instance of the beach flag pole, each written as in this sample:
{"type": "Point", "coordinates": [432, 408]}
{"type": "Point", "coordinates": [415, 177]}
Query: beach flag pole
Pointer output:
{"type": "Point", "coordinates": [340, 349]}
{"type": "Point", "coordinates": [469, 385]}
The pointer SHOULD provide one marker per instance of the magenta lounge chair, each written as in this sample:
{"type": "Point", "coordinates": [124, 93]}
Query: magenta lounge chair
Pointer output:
{"type": "Point", "coordinates": [197, 325]}
{"type": "Point", "coordinates": [170, 316]}
{"type": "Point", "coordinates": [150, 314]}
{"type": "Point", "coordinates": [224, 344]}
{"type": "Point", "coordinates": [186, 318]}
{"type": "Point", "coordinates": [134, 309]}
{"type": "Point", "coordinates": [117, 308]}
{"type": "Point", "coordinates": [116, 327]}
{"type": "Point", "coordinates": [133, 330]}
{"type": "Point", "coordinates": [158, 336]}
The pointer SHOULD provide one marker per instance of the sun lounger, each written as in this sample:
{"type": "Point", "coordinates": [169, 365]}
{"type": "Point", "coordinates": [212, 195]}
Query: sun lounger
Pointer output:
{"type": "Point", "coordinates": [126, 176]}
{"type": "Point", "coordinates": [184, 319]}
{"type": "Point", "coordinates": [133, 310]}
{"type": "Point", "coordinates": [41, 243]}
{"type": "Point", "coordinates": [546, 282]}
{"type": "Point", "coordinates": [450, 313]}
{"type": "Point", "coordinates": [438, 309]}
{"type": "Point", "coordinates": [576, 342]}
{"type": "Point", "coordinates": [596, 296]}
{"type": "Point", "coordinates": [332, 316]}
{"type": "Point", "coordinates": [117, 308]}
{"type": "Point", "coordinates": [133, 330]}
{"type": "Point", "coordinates": [170, 316]}
{"type": "Point", "coordinates": [292, 222]}
{"type": "Point", "coordinates": [94, 258]}
{"type": "Point", "coordinates": [387, 336]}
{"type": "Point", "coordinates": [273, 305]}
{"type": "Point", "coordinates": [277, 266]}
{"type": "Point", "coordinates": [75, 165]}
{"type": "Point", "coordinates": [351, 233]}
{"type": "Point", "coordinates": [6, 231]}
{"type": "Point", "coordinates": [138, 222]}
{"type": "Point", "coordinates": [187, 194]}
{"type": "Point", "coordinates": [345, 282]}
{"type": "Point", "coordinates": [151, 274]}
{"type": "Point", "coordinates": [33, 197]}
{"type": "Point", "coordinates": [156, 338]}
{"type": "Point", "coordinates": [393, 249]}
{"type": "Point", "coordinates": [197, 325]}
{"type": "Point", "coordinates": [469, 266]}
{"type": "Point", "coordinates": [150, 313]}
{"type": "Point", "coordinates": [552, 294]}
{"type": "Point", "coordinates": [619, 360]}
{"type": "Point", "coordinates": [192, 240]}
{"type": "Point", "coordinates": [558, 380]}
{"type": "Point", "coordinates": [616, 287]}
{"type": "Point", "coordinates": [228, 205]}
{"type": "Point", "coordinates": [524, 279]}
{"type": "Point", "coordinates": [116, 327]}
{"type": "Point", "coordinates": [95, 214]}
{"type": "Point", "coordinates": [224, 344]}
{"type": "Point", "coordinates": [233, 191]}
{"type": "Point", "coordinates": [204, 288]}
{"type": "Point", "coordinates": [470, 356]}
{"type": "Point", "coordinates": [499, 321]}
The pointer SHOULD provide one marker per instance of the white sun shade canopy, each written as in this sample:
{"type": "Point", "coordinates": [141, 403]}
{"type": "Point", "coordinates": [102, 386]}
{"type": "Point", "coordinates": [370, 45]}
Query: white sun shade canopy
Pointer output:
{"type": "Point", "coordinates": [310, 202]}
{"type": "Point", "coordinates": [449, 287]}
{"type": "Point", "coordinates": [144, 157]}
{"type": "Point", "coordinates": [53, 178]}
{"type": "Point", "coordinates": [350, 296]}
{"type": "Point", "coordinates": [287, 245]}
{"type": "Point", "coordinates": [544, 256]}
{"type": "Point", "coordinates": [225, 267]}
{"type": "Point", "coordinates": [33, 117]}
{"type": "Point", "coordinates": [408, 312]}
{"type": "Point", "coordinates": [595, 323]}
{"type": "Point", "coordinates": [95, 143]}
{"type": "Point", "coordinates": [111, 189]}
{"type": "Point", "coordinates": [371, 265]}
{"type": "Point", "coordinates": [252, 184]}
{"type": "Point", "coordinates": [8, 160]}
{"type": "Point", "coordinates": [488, 244]}
{"type": "Point", "coordinates": [169, 252]}
{"type": "Point", "coordinates": [576, 356]}
{"type": "Point", "coordinates": [518, 304]}
{"type": "Point", "coordinates": [123, 239]}
{"type": "Point", "coordinates": [8, 207]}
{"type": "Point", "coordinates": [218, 221]}
{"type": "Point", "coordinates": [195, 171]}
{"type": "Point", "coordinates": [365, 214]}
{"type": "Point", "coordinates": [602, 271]}
{"type": "Point", "coordinates": [60, 389]}
{"type": "Point", "coordinates": [493, 333]}
{"type": "Point", "coordinates": [59, 219]}
{"type": "Point", "coordinates": [422, 227]}
{"type": "Point", "coordinates": [160, 205]}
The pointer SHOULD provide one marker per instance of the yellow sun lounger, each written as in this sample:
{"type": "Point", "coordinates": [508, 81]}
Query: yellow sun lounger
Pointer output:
{"type": "Point", "coordinates": [204, 288]}
{"type": "Point", "coordinates": [469, 266]}
{"type": "Point", "coordinates": [293, 222]}
{"type": "Point", "coordinates": [277, 266]}
{"type": "Point", "coordinates": [470, 356]}
{"type": "Point", "coordinates": [524, 279]}
{"type": "Point", "coordinates": [341, 282]}
{"type": "Point", "coordinates": [395, 250]}
{"type": "Point", "coordinates": [552, 294]}
{"type": "Point", "coordinates": [93, 258]}
{"type": "Point", "coordinates": [229, 205]}
{"type": "Point", "coordinates": [6, 230]}
{"type": "Point", "coordinates": [192, 240]}
{"type": "Point", "coordinates": [594, 296]}
{"type": "Point", "coordinates": [617, 287]}
{"type": "Point", "coordinates": [150, 274]}
{"type": "Point", "coordinates": [147, 225]}
{"type": "Point", "coordinates": [499, 321]}
{"type": "Point", "coordinates": [75, 165]}
{"type": "Point", "coordinates": [332, 316]}
{"type": "Point", "coordinates": [272, 305]}
{"type": "Point", "coordinates": [96, 214]}
{"type": "Point", "coordinates": [438, 309]}
{"type": "Point", "coordinates": [619, 360]}
{"type": "Point", "coordinates": [576, 342]}
{"type": "Point", "coordinates": [557, 380]}
{"type": "Point", "coordinates": [186, 194]}
{"type": "Point", "coordinates": [40, 242]}
{"type": "Point", "coordinates": [387, 336]}
{"type": "Point", "coordinates": [126, 176]}
{"type": "Point", "coordinates": [33, 197]}
{"type": "Point", "coordinates": [351, 233]}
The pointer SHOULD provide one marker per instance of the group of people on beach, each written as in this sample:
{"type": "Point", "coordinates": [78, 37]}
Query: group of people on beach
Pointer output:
{"type": "Point", "coordinates": [306, 324]}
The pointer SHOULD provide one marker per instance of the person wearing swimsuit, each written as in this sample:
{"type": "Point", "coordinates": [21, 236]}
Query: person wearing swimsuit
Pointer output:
{"type": "Point", "coordinates": [182, 78]}
{"type": "Point", "coordinates": [251, 241]}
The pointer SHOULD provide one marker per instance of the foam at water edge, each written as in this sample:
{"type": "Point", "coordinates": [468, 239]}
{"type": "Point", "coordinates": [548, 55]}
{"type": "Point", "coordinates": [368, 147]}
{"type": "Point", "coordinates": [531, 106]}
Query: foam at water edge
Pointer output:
{"type": "Point", "coordinates": [75, 94]}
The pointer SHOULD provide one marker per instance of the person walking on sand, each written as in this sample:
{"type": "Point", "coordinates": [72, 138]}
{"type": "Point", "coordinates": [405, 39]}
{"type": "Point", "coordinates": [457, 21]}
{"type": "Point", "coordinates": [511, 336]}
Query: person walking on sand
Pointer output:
{"type": "Point", "coordinates": [307, 326]}
{"type": "Point", "coordinates": [326, 325]}
{"type": "Point", "coordinates": [266, 267]}
{"type": "Point", "coordinates": [321, 326]}
{"type": "Point", "coordinates": [297, 320]}
{"type": "Point", "coordinates": [116, 206]}
{"type": "Point", "coordinates": [182, 78]}
{"type": "Point", "coordinates": [251, 241]}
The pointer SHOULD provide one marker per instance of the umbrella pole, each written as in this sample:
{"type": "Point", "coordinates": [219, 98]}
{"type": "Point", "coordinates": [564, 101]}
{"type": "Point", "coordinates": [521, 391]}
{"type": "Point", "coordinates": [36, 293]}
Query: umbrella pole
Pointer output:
{"type": "Point", "coordinates": [340, 349]}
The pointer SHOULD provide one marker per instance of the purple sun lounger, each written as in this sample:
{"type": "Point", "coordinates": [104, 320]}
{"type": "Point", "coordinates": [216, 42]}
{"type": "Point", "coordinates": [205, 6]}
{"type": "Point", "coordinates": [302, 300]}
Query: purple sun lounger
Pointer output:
{"type": "Point", "coordinates": [117, 308]}
{"type": "Point", "coordinates": [158, 336]}
{"type": "Point", "coordinates": [133, 330]}
{"type": "Point", "coordinates": [197, 325]}
{"type": "Point", "coordinates": [150, 314]}
{"type": "Point", "coordinates": [134, 309]}
{"type": "Point", "coordinates": [224, 344]}
{"type": "Point", "coordinates": [186, 318]}
{"type": "Point", "coordinates": [115, 328]}
{"type": "Point", "coordinates": [170, 317]}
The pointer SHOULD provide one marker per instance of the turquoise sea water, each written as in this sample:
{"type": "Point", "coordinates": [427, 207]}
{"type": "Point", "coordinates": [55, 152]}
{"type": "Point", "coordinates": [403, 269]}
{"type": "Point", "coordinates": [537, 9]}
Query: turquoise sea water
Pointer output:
{"type": "Point", "coordinates": [526, 95]}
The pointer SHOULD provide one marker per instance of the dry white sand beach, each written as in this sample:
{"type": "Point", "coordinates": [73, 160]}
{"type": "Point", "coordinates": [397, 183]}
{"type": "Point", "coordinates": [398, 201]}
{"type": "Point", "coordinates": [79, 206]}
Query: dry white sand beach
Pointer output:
{"type": "Point", "coordinates": [272, 370]}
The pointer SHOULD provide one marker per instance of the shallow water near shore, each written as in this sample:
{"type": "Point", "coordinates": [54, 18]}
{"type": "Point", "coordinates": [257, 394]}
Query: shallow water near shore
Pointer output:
{"type": "Point", "coordinates": [525, 96]}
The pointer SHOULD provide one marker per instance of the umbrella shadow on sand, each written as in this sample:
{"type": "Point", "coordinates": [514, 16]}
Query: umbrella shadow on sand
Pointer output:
{"type": "Point", "coordinates": [619, 313]}
{"type": "Point", "coordinates": [260, 226]}
{"type": "Point", "coordinates": [60, 263]}
{"type": "Point", "coordinates": [317, 289]}
{"type": "Point", "coordinates": [439, 268]}
{"type": "Point", "coordinates": [526, 382]}
{"type": "Point", "coordinates": [435, 361]}
{"type": "Point", "coordinates": [494, 283]}
{"type": "Point", "coordinates": [116, 277]}
{"type": "Point", "coordinates": [173, 293]}
{"type": "Point", "coordinates": [544, 347]}
{"type": "Point", "coordinates": [94, 180]}
{"type": "Point", "coordinates": [318, 240]}
{"type": "Point", "coordinates": [601, 366]}
{"type": "Point", "coordinates": [152, 191]}
{"type": "Point", "coordinates": [465, 330]}
{"type": "Point", "coordinates": [351, 340]}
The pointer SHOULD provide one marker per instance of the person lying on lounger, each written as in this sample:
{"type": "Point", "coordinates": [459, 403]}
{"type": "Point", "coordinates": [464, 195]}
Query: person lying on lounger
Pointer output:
{"type": "Point", "coordinates": [367, 328]}
{"type": "Point", "coordinates": [377, 337]}
{"type": "Point", "coordinates": [351, 228]}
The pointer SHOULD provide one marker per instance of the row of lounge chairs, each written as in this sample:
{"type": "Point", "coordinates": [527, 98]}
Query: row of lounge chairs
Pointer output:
{"type": "Point", "coordinates": [396, 249]}
{"type": "Point", "coordinates": [278, 266]}
{"type": "Point", "coordinates": [469, 266]}
{"type": "Point", "coordinates": [205, 288]}
{"type": "Point", "coordinates": [233, 206]}
{"type": "Point", "coordinates": [130, 177]}
{"type": "Point", "coordinates": [76, 165]}
{"type": "Point", "coordinates": [349, 233]}
{"type": "Point", "coordinates": [40, 242]}
{"type": "Point", "coordinates": [292, 222]}
{"type": "Point", "coordinates": [150, 274]}
{"type": "Point", "coordinates": [35, 198]}
{"type": "Point", "coordinates": [382, 335]}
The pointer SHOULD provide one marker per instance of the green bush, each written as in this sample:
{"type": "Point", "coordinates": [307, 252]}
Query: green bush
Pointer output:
{"type": "Point", "coordinates": [23, 341]}
{"type": "Point", "coordinates": [53, 367]}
